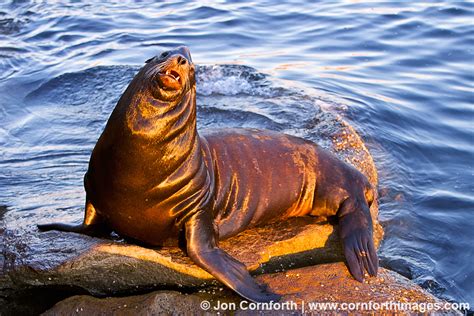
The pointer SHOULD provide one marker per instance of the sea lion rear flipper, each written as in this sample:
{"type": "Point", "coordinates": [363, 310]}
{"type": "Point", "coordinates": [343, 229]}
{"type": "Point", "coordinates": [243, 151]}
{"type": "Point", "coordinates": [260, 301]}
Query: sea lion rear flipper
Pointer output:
{"type": "Point", "coordinates": [92, 224]}
{"type": "Point", "coordinates": [355, 229]}
{"type": "Point", "coordinates": [203, 250]}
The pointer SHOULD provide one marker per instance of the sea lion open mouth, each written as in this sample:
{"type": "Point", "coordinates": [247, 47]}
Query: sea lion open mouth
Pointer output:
{"type": "Point", "coordinates": [173, 74]}
{"type": "Point", "coordinates": [170, 79]}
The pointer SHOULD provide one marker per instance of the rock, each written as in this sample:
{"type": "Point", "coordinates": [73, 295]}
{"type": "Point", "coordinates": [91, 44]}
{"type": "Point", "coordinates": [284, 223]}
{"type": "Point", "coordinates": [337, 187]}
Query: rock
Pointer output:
{"type": "Point", "coordinates": [325, 283]}
{"type": "Point", "coordinates": [333, 283]}
{"type": "Point", "coordinates": [156, 303]}
{"type": "Point", "coordinates": [104, 267]}
{"type": "Point", "coordinates": [45, 267]}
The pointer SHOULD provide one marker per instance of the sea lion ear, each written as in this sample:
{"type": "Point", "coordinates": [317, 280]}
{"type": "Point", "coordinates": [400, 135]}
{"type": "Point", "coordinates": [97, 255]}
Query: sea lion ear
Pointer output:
{"type": "Point", "coordinates": [148, 60]}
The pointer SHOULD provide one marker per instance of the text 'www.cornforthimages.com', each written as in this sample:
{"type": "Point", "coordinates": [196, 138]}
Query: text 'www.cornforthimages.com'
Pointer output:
{"type": "Point", "coordinates": [393, 306]}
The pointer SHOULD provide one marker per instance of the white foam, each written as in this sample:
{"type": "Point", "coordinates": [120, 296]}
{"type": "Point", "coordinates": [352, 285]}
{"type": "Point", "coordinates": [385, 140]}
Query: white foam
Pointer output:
{"type": "Point", "coordinates": [226, 86]}
{"type": "Point", "coordinates": [231, 80]}
{"type": "Point", "coordinates": [213, 80]}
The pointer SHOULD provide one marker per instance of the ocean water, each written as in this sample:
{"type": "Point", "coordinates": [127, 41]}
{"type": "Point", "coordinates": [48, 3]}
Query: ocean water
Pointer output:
{"type": "Point", "coordinates": [401, 73]}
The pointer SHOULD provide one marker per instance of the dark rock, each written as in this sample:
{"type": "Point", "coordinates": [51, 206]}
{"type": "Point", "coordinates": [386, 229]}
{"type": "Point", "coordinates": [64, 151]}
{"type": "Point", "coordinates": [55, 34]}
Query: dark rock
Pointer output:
{"type": "Point", "coordinates": [156, 303]}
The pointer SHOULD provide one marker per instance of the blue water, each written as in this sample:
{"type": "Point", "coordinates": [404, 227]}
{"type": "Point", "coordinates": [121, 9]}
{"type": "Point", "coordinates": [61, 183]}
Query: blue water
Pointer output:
{"type": "Point", "coordinates": [401, 73]}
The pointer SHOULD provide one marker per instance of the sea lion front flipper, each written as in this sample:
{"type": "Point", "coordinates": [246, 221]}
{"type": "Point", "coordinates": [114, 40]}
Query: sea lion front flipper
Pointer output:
{"type": "Point", "coordinates": [355, 229]}
{"type": "Point", "coordinates": [92, 224]}
{"type": "Point", "coordinates": [202, 248]}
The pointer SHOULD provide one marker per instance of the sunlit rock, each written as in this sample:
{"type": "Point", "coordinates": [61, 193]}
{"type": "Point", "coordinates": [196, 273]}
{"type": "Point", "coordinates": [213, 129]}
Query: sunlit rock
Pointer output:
{"type": "Point", "coordinates": [314, 287]}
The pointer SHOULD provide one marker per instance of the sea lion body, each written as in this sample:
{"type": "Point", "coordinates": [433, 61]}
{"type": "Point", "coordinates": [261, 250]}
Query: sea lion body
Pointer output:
{"type": "Point", "coordinates": [152, 177]}
{"type": "Point", "coordinates": [244, 177]}
{"type": "Point", "coordinates": [260, 176]}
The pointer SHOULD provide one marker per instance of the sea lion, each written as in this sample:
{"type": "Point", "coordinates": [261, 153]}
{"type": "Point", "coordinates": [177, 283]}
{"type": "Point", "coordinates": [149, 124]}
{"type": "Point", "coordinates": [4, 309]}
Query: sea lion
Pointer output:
{"type": "Point", "coordinates": [152, 176]}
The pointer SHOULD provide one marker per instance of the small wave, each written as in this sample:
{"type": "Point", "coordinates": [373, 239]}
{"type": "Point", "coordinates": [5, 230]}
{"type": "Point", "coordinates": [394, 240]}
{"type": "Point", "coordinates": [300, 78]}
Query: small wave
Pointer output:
{"type": "Point", "coordinates": [10, 25]}
{"type": "Point", "coordinates": [230, 80]}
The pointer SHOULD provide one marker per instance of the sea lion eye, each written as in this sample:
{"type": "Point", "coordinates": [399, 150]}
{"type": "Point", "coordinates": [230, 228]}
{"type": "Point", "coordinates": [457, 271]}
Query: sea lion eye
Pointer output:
{"type": "Point", "coordinates": [163, 55]}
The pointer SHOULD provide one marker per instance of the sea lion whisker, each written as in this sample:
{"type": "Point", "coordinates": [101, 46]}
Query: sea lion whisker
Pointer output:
{"type": "Point", "coordinates": [152, 71]}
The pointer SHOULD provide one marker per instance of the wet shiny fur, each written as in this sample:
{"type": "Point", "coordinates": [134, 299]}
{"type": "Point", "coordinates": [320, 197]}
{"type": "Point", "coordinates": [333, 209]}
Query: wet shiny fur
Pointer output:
{"type": "Point", "coordinates": [151, 176]}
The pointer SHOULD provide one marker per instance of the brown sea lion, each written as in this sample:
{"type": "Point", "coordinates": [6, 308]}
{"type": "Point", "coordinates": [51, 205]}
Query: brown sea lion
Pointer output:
{"type": "Point", "coordinates": [152, 176]}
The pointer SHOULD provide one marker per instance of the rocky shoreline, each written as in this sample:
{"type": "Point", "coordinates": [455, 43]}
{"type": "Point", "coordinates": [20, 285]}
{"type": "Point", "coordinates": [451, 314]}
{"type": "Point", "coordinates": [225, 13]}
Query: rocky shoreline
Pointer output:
{"type": "Point", "coordinates": [103, 267]}
{"type": "Point", "coordinates": [319, 289]}
{"type": "Point", "coordinates": [62, 273]}
{"type": "Point", "coordinates": [289, 257]}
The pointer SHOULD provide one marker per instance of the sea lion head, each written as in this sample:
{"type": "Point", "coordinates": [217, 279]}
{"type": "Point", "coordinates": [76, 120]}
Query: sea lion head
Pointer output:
{"type": "Point", "coordinates": [171, 74]}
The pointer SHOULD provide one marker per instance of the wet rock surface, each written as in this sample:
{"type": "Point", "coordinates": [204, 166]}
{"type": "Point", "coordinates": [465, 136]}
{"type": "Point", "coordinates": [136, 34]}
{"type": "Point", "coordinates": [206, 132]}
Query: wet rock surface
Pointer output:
{"type": "Point", "coordinates": [324, 283]}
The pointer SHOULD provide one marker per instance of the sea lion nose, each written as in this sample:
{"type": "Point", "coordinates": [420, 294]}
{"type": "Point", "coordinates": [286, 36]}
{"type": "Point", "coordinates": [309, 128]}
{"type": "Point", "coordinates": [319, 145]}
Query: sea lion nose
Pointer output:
{"type": "Point", "coordinates": [184, 51]}
{"type": "Point", "coordinates": [181, 60]}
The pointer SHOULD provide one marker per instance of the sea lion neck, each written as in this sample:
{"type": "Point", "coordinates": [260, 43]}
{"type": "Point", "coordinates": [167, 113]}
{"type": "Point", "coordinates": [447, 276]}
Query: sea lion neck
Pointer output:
{"type": "Point", "coordinates": [158, 120]}
{"type": "Point", "coordinates": [165, 130]}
